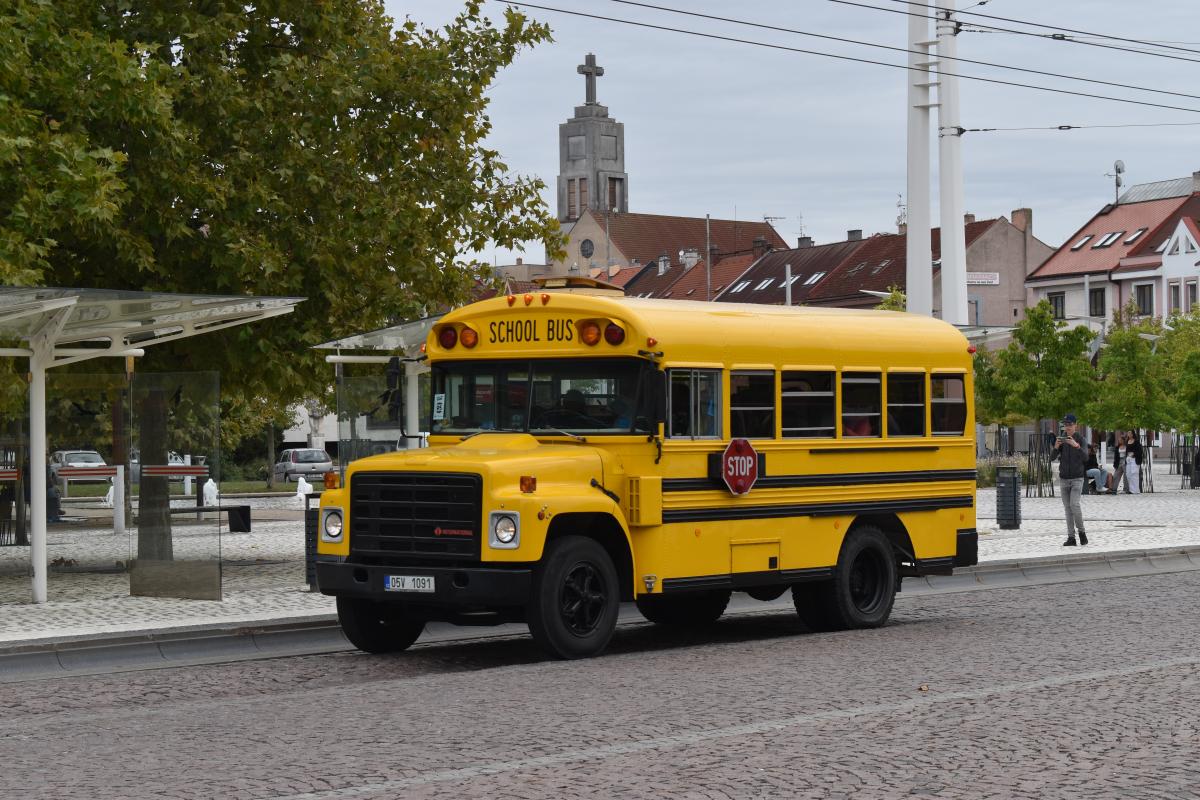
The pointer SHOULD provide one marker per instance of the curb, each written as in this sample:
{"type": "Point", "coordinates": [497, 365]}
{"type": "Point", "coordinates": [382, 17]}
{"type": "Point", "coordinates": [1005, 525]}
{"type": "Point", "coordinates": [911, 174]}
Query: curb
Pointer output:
{"type": "Point", "coordinates": [182, 645]}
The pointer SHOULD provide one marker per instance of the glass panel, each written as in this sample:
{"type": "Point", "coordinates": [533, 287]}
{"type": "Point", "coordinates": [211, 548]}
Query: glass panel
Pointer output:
{"type": "Point", "coordinates": [752, 405]}
{"type": "Point", "coordinates": [948, 406]}
{"type": "Point", "coordinates": [681, 403]}
{"type": "Point", "coordinates": [906, 404]}
{"type": "Point", "coordinates": [708, 406]}
{"type": "Point", "coordinates": [176, 548]}
{"type": "Point", "coordinates": [807, 404]}
{"type": "Point", "coordinates": [861, 404]}
{"type": "Point", "coordinates": [584, 396]}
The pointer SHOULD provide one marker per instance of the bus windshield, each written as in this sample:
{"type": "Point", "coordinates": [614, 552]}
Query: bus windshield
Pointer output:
{"type": "Point", "coordinates": [577, 396]}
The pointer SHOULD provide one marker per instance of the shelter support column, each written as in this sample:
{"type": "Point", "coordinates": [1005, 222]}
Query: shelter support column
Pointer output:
{"type": "Point", "coordinates": [412, 405]}
{"type": "Point", "coordinates": [37, 475]}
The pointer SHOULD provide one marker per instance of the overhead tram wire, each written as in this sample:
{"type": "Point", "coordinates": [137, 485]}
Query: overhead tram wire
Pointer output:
{"type": "Point", "coordinates": [854, 59]}
{"type": "Point", "coordinates": [859, 42]}
{"type": "Point", "coordinates": [997, 29]}
{"type": "Point", "coordinates": [1144, 42]}
{"type": "Point", "coordinates": [1081, 127]}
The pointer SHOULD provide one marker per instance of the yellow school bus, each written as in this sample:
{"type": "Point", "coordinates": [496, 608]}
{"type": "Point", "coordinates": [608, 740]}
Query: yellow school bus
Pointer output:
{"type": "Point", "coordinates": [586, 449]}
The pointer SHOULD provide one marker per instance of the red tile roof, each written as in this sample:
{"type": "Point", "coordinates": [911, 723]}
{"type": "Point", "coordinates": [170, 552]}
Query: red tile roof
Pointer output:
{"type": "Point", "coordinates": [645, 237]}
{"type": "Point", "coordinates": [805, 262]}
{"type": "Point", "coordinates": [692, 285]}
{"type": "Point", "coordinates": [878, 265]}
{"type": "Point", "coordinates": [1156, 216]}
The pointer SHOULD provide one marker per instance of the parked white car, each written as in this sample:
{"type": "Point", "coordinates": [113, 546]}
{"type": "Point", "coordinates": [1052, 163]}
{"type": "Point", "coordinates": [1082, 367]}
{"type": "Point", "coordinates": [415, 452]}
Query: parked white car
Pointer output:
{"type": "Point", "coordinates": [76, 458]}
{"type": "Point", "coordinates": [307, 461]}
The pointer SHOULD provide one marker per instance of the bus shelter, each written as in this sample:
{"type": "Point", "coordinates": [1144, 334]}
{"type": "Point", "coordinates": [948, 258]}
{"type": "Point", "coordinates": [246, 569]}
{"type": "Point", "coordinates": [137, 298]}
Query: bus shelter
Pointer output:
{"type": "Point", "coordinates": [54, 327]}
{"type": "Point", "coordinates": [379, 409]}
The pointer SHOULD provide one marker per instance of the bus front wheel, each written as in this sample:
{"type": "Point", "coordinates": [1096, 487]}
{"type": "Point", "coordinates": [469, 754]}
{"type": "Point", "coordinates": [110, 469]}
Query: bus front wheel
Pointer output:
{"type": "Point", "coordinates": [862, 590]}
{"type": "Point", "coordinates": [377, 627]}
{"type": "Point", "coordinates": [692, 610]}
{"type": "Point", "coordinates": [573, 609]}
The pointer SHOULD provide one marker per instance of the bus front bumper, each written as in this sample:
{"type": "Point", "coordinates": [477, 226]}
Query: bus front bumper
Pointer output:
{"type": "Point", "coordinates": [453, 587]}
{"type": "Point", "coordinates": [967, 554]}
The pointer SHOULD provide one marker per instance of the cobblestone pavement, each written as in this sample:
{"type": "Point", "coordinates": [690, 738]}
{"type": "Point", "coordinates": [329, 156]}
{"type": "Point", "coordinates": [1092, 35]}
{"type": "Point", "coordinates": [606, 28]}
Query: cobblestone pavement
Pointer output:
{"type": "Point", "coordinates": [263, 572]}
{"type": "Point", "coordinates": [1086, 690]}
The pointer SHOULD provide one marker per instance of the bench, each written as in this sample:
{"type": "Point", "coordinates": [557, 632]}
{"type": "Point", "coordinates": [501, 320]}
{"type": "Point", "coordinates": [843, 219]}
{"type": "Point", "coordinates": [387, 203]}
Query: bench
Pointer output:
{"type": "Point", "coordinates": [239, 516]}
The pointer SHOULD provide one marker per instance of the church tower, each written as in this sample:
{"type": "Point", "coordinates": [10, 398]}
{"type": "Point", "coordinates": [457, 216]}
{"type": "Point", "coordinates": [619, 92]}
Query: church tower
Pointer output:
{"type": "Point", "coordinates": [591, 156]}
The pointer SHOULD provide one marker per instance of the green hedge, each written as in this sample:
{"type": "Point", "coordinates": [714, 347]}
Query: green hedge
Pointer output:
{"type": "Point", "coordinates": [986, 470]}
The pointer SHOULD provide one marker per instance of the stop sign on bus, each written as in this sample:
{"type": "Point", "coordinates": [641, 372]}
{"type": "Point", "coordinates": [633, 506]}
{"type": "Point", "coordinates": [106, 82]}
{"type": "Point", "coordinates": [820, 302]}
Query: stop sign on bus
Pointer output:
{"type": "Point", "coordinates": [739, 466]}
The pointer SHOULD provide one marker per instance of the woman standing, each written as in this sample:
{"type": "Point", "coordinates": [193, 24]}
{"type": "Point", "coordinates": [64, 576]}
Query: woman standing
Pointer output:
{"type": "Point", "coordinates": [1133, 463]}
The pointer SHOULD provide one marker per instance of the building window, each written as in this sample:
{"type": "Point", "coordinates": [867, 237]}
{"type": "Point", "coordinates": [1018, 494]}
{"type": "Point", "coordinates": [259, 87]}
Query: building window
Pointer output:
{"type": "Point", "coordinates": [1191, 296]}
{"type": "Point", "coordinates": [1079, 245]}
{"type": "Point", "coordinates": [906, 404]}
{"type": "Point", "coordinates": [752, 405]}
{"type": "Point", "coordinates": [1096, 303]}
{"type": "Point", "coordinates": [583, 195]}
{"type": "Point", "coordinates": [616, 187]}
{"type": "Point", "coordinates": [1133, 237]}
{"type": "Point", "coordinates": [1144, 295]}
{"type": "Point", "coordinates": [807, 404]}
{"type": "Point", "coordinates": [1058, 304]}
{"type": "Point", "coordinates": [948, 409]}
{"type": "Point", "coordinates": [695, 402]}
{"type": "Point", "coordinates": [1173, 296]}
{"type": "Point", "coordinates": [739, 287]}
{"type": "Point", "coordinates": [816, 276]}
{"type": "Point", "coordinates": [861, 404]}
{"type": "Point", "coordinates": [764, 284]}
{"type": "Point", "coordinates": [1107, 239]}
{"type": "Point", "coordinates": [571, 197]}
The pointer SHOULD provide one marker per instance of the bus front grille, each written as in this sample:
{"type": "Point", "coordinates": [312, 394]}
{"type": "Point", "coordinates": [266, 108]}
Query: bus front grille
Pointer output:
{"type": "Point", "coordinates": [400, 517]}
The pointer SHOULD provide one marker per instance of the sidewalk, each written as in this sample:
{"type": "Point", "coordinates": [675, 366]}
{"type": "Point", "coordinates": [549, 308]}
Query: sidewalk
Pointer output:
{"type": "Point", "coordinates": [263, 571]}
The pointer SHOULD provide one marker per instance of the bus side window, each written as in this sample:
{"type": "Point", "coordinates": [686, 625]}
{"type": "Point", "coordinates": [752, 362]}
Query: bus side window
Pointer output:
{"type": "Point", "coordinates": [752, 405]}
{"type": "Point", "coordinates": [807, 405]}
{"type": "Point", "coordinates": [861, 404]}
{"type": "Point", "coordinates": [906, 404]}
{"type": "Point", "coordinates": [948, 397]}
{"type": "Point", "coordinates": [695, 404]}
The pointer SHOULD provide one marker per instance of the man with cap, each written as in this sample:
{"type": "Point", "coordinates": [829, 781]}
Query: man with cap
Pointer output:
{"type": "Point", "coordinates": [1071, 451]}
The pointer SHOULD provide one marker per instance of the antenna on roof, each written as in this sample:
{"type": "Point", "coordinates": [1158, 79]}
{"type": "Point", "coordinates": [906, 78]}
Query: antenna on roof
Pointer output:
{"type": "Point", "coordinates": [1118, 181]}
{"type": "Point", "coordinates": [767, 218]}
{"type": "Point", "coordinates": [902, 212]}
{"type": "Point", "coordinates": [800, 223]}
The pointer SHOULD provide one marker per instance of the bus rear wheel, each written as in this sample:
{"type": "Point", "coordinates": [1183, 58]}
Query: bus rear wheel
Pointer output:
{"type": "Point", "coordinates": [862, 590]}
{"type": "Point", "coordinates": [377, 627]}
{"type": "Point", "coordinates": [692, 610]}
{"type": "Point", "coordinates": [573, 608]}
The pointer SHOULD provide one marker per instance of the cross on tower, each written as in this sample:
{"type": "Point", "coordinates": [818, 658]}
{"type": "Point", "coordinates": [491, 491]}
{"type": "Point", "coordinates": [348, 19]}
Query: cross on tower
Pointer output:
{"type": "Point", "coordinates": [589, 69]}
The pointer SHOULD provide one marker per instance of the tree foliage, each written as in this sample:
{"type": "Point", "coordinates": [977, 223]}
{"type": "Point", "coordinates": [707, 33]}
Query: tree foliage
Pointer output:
{"type": "Point", "coordinates": [1131, 392]}
{"type": "Point", "coordinates": [288, 148]}
{"type": "Point", "coordinates": [1044, 372]}
{"type": "Point", "coordinates": [896, 300]}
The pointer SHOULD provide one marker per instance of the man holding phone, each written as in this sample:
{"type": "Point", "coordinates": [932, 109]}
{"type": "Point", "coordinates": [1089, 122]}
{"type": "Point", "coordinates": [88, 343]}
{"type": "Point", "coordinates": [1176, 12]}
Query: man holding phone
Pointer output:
{"type": "Point", "coordinates": [1070, 449]}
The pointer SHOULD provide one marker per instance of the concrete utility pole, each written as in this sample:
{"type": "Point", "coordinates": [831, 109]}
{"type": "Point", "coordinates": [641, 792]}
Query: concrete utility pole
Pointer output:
{"type": "Point", "coordinates": [950, 172]}
{"type": "Point", "coordinates": [919, 265]}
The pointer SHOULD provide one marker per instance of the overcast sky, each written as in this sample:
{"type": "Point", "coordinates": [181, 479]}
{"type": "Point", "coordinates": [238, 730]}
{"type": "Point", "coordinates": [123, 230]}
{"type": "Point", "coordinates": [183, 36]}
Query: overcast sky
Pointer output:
{"type": "Point", "coordinates": [732, 129]}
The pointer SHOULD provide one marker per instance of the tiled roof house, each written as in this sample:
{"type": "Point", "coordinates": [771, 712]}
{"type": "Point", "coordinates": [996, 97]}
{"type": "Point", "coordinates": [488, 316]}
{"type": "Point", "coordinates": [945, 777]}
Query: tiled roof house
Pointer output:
{"type": "Point", "coordinates": [1142, 248]}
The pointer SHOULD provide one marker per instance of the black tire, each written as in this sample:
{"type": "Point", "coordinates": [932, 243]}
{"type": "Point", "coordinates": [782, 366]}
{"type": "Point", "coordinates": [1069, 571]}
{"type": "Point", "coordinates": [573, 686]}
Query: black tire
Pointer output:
{"type": "Point", "coordinates": [575, 598]}
{"type": "Point", "coordinates": [691, 610]}
{"type": "Point", "coordinates": [377, 627]}
{"type": "Point", "coordinates": [862, 590]}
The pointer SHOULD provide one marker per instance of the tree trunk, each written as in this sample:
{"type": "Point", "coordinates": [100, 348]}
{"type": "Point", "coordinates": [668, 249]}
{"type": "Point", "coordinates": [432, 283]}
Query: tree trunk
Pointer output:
{"type": "Point", "coordinates": [271, 456]}
{"type": "Point", "coordinates": [154, 495]}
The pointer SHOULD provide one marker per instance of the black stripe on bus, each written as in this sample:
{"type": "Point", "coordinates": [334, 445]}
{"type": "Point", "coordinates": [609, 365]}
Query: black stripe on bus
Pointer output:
{"type": "Point", "coordinates": [815, 509]}
{"type": "Point", "coordinates": [845, 479]}
{"type": "Point", "coordinates": [746, 579]}
{"type": "Point", "coordinates": [898, 448]}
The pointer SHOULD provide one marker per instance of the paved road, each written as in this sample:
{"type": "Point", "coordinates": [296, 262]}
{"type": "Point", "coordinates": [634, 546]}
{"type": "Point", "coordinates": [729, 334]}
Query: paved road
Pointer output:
{"type": "Point", "coordinates": [1073, 690]}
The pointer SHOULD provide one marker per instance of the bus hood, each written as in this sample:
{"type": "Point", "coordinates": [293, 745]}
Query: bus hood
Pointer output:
{"type": "Point", "coordinates": [495, 454]}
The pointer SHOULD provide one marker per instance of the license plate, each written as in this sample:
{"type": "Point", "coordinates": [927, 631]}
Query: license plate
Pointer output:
{"type": "Point", "coordinates": [408, 583]}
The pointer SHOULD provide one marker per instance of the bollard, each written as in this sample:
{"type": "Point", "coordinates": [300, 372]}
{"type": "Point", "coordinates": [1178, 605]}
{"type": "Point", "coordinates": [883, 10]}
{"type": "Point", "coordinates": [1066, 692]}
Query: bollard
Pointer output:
{"type": "Point", "coordinates": [119, 500]}
{"type": "Point", "coordinates": [187, 479]}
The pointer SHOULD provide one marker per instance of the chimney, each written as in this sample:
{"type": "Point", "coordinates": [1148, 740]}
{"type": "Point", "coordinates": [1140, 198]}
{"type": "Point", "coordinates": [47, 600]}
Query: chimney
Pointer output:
{"type": "Point", "coordinates": [968, 219]}
{"type": "Point", "coordinates": [902, 228]}
{"type": "Point", "coordinates": [854, 235]}
{"type": "Point", "coordinates": [664, 264]}
{"type": "Point", "coordinates": [760, 246]}
{"type": "Point", "coordinates": [803, 241]}
{"type": "Point", "coordinates": [520, 261]}
{"type": "Point", "coordinates": [690, 257]}
{"type": "Point", "coordinates": [1022, 219]}
{"type": "Point", "coordinates": [1195, 182]}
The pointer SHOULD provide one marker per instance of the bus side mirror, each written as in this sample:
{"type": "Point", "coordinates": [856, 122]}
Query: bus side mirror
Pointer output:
{"type": "Point", "coordinates": [660, 396]}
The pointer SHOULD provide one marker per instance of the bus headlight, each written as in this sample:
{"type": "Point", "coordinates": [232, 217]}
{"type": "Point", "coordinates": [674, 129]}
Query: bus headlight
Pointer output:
{"type": "Point", "coordinates": [504, 530]}
{"type": "Point", "coordinates": [331, 525]}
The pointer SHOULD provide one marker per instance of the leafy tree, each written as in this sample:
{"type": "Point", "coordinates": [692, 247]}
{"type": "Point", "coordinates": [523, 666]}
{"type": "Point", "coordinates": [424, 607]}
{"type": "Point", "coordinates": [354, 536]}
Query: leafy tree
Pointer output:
{"type": "Point", "coordinates": [895, 301]}
{"type": "Point", "coordinates": [1132, 392]}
